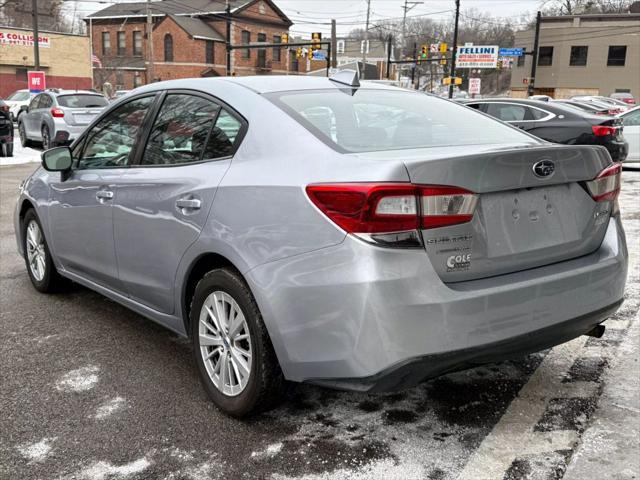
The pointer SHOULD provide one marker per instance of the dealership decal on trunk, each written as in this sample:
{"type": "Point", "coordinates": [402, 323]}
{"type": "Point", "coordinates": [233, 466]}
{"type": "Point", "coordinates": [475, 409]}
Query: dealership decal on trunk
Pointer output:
{"type": "Point", "coordinates": [457, 263]}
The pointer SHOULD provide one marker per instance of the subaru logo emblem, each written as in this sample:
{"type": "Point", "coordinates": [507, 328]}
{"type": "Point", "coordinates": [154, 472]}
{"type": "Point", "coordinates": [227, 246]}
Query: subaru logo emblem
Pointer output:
{"type": "Point", "coordinates": [544, 168]}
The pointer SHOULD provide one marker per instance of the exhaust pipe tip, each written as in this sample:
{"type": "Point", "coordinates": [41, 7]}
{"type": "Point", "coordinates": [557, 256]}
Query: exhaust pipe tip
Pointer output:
{"type": "Point", "coordinates": [597, 331]}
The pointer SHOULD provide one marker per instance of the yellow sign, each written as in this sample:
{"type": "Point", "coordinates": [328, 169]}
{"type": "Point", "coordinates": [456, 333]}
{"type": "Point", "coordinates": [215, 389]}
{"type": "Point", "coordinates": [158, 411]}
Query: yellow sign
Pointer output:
{"type": "Point", "coordinates": [443, 48]}
{"type": "Point", "coordinates": [443, 61]}
{"type": "Point", "coordinates": [456, 80]}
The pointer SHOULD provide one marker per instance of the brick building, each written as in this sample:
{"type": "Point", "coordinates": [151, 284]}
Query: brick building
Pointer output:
{"type": "Point", "coordinates": [64, 58]}
{"type": "Point", "coordinates": [189, 40]}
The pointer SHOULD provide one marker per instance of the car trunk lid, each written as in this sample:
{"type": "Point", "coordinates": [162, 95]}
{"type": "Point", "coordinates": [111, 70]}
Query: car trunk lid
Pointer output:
{"type": "Point", "coordinates": [522, 219]}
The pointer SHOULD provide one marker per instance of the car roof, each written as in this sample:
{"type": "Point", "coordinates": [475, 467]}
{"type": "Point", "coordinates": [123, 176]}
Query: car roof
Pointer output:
{"type": "Point", "coordinates": [73, 92]}
{"type": "Point", "coordinates": [555, 107]}
{"type": "Point", "coordinates": [283, 83]}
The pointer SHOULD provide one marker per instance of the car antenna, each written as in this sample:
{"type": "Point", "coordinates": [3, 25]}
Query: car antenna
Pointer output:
{"type": "Point", "coordinates": [346, 77]}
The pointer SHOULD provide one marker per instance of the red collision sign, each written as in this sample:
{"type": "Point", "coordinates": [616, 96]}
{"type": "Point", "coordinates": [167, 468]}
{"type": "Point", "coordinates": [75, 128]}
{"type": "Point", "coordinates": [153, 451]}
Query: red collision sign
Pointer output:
{"type": "Point", "coordinates": [36, 81]}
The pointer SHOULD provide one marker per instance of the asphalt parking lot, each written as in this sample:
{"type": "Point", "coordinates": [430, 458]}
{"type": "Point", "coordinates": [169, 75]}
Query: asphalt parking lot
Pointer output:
{"type": "Point", "coordinates": [93, 391]}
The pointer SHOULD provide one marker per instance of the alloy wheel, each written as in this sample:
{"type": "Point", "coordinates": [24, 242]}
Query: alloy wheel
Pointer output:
{"type": "Point", "coordinates": [225, 343]}
{"type": "Point", "coordinates": [46, 141]}
{"type": "Point", "coordinates": [22, 134]}
{"type": "Point", "coordinates": [36, 251]}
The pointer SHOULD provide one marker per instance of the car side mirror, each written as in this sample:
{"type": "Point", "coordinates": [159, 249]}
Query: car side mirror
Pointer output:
{"type": "Point", "coordinates": [57, 159]}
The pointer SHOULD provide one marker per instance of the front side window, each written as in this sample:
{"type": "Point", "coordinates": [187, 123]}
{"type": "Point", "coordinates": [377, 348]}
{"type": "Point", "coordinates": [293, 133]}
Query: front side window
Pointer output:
{"type": "Point", "coordinates": [106, 43]}
{"type": "Point", "coordinates": [545, 56]}
{"type": "Point", "coordinates": [168, 48]}
{"type": "Point", "coordinates": [189, 129]}
{"type": "Point", "coordinates": [122, 43]}
{"type": "Point", "coordinates": [45, 102]}
{"type": "Point", "coordinates": [578, 56]}
{"type": "Point", "coordinates": [137, 43]}
{"type": "Point", "coordinates": [246, 38]}
{"type": "Point", "coordinates": [375, 120]}
{"type": "Point", "coordinates": [111, 142]}
{"type": "Point", "coordinates": [617, 56]}
{"type": "Point", "coordinates": [631, 119]}
{"type": "Point", "coordinates": [35, 102]}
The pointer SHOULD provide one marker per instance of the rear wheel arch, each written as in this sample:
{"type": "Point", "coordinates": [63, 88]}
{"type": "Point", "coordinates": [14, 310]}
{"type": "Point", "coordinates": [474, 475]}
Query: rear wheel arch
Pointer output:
{"type": "Point", "coordinates": [199, 267]}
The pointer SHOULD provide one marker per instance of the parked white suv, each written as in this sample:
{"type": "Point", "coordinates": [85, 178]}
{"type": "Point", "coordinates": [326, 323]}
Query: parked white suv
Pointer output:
{"type": "Point", "coordinates": [18, 102]}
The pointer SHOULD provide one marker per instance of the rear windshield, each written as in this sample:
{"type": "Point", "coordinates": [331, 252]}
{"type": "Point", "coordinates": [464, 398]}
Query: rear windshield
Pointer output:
{"type": "Point", "coordinates": [19, 96]}
{"type": "Point", "coordinates": [80, 100]}
{"type": "Point", "coordinates": [372, 120]}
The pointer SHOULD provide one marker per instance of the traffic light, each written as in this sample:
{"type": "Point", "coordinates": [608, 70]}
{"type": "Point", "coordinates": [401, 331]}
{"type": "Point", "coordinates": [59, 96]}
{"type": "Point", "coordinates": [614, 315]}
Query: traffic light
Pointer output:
{"type": "Point", "coordinates": [443, 61]}
{"type": "Point", "coordinates": [316, 38]}
{"type": "Point", "coordinates": [424, 51]}
{"type": "Point", "coordinates": [299, 52]}
{"type": "Point", "coordinates": [499, 65]}
{"type": "Point", "coordinates": [310, 53]}
{"type": "Point", "coordinates": [284, 38]}
{"type": "Point", "coordinates": [443, 48]}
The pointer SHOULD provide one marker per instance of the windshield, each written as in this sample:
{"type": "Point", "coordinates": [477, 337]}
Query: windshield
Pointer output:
{"type": "Point", "coordinates": [82, 100]}
{"type": "Point", "coordinates": [19, 96]}
{"type": "Point", "coordinates": [373, 120]}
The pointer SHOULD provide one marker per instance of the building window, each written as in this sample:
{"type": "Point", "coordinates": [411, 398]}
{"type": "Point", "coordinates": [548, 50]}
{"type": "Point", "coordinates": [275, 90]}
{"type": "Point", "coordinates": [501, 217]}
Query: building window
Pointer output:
{"type": "Point", "coordinates": [262, 53]}
{"type": "Point", "coordinates": [578, 56]}
{"type": "Point", "coordinates": [137, 81]}
{"type": "Point", "coordinates": [119, 80]}
{"type": "Point", "coordinates": [340, 46]}
{"type": "Point", "coordinates": [106, 43]}
{"type": "Point", "coordinates": [617, 56]}
{"type": "Point", "coordinates": [545, 56]}
{"type": "Point", "coordinates": [122, 43]}
{"type": "Point", "coordinates": [21, 74]}
{"type": "Point", "coordinates": [246, 38]}
{"type": "Point", "coordinates": [364, 44]}
{"type": "Point", "coordinates": [277, 52]}
{"type": "Point", "coordinates": [137, 43]}
{"type": "Point", "coordinates": [168, 48]}
{"type": "Point", "coordinates": [209, 52]}
{"type": "Point", "coordinates": [521, 60]}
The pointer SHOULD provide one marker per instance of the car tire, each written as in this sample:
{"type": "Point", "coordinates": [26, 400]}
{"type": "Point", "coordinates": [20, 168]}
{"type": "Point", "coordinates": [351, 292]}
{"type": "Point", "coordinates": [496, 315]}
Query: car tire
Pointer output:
{"type": "Point", "coordinates": [221, 298]}
{"type": "Point", "coordinates": [47, 143]}
{"type": "Point", "coordinates": [42, 272]}
{"type": "Point", "coordinates": [6, 150]}
{"type": "Point", "coordinates": [24, 141]}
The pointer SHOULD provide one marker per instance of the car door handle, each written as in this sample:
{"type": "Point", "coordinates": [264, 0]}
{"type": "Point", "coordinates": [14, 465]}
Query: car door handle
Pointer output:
{"type": "Point", "coordinates": [104, 195]}
{"type": "Point", "coordinates": [189, 203]}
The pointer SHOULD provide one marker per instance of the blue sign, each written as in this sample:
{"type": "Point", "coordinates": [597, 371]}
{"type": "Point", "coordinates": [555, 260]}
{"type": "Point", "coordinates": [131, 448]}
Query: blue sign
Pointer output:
{"type": "Point", "coordinates": [319, 55]}
{"type": "Point", "coordinates": [511, 52]}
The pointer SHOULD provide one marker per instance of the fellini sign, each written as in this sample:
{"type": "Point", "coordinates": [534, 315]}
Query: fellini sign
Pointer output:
{"type": "Point", "coordinates": [22, 39]}
{"type": "Point", "coordinates": [477, 56]}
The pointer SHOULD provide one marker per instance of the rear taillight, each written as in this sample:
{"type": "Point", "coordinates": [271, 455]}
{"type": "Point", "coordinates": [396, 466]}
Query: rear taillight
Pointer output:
{"type": "Point", "coordinates": [606, 186]}
{"type": "Point", "coordinates": [391, 214]}
{"type": "Point", "coordinates": [630, 101]}
{"type": "Point", "coordinates": [57, 112]}
{"type": "Point", "coordinates": [603, 130]}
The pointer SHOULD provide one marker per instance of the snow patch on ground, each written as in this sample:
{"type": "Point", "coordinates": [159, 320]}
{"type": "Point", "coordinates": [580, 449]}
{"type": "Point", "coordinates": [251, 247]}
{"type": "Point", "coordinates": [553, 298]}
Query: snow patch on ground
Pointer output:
{"type": "Point", "coordinates": [36, 452]}
{"type": "Point", "coordinates": [271, 451]}
{"type": "Point", "coordinates": [110, 407]}
{"type": "Point", "coordinates": [20, 155]}
{"type": "Point", "coordinates": [79, 380]}
{"type": "Point", "coordinates": [105, 470]}
{"type": "Point", "coordinates": [382, 469]}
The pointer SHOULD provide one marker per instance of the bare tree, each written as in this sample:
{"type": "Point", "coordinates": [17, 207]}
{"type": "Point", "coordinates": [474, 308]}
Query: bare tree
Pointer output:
{"type": "Point", "coordinates": [17, 13]}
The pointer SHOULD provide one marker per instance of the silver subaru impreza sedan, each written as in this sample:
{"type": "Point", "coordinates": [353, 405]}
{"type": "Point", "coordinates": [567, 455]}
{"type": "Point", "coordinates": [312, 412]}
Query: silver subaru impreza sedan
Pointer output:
{"type": "Point", "coordinates": [319, 230]}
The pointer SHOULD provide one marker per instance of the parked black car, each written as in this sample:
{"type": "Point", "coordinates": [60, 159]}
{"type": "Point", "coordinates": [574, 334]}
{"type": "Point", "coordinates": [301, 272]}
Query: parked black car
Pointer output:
{"type": "Point", "coordinates": [586, 107]}
{"type": "Point", "coordinates": [6, 131]}
{"type": "Point", "coordinates": [557, 123]}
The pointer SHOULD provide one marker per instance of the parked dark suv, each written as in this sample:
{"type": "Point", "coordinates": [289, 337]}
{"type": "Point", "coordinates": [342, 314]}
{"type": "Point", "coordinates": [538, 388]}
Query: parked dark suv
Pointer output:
{"type": "Point", "coordinates": [557, 123]}
{"type": "Point", "coordinates": [6, 131]}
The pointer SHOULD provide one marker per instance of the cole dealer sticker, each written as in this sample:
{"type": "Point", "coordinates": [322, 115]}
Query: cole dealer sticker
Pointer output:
{"type": "Point", "coordinates": [459, 263]}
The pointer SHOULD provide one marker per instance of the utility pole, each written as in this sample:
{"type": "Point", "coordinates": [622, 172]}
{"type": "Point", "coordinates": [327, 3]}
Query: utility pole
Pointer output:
{"type": "Point", "coordinates": [36, 35]}
{"type": "Point", "coordinates": [334, 44]}
{"type": "Point", "coordinates": [388, 56]}
{"type": "Point", "coordinates": [455, 49]}
{"type": "Point", "coordinates": [150, 66]}
{"type": "Point", "coordinates": [227, 11]}
{"type": "Point", "coordinates": [534, 56]}
{"type": "Point", "coordinates": [407, 6]}
{"type": "Point", "coordinates": [415, 63]}
{"type": "Point", "coordinates": [366, 43]}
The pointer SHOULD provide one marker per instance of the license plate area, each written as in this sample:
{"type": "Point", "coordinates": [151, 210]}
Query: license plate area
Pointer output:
{"type": "Point", "coordinates": [82, 119]}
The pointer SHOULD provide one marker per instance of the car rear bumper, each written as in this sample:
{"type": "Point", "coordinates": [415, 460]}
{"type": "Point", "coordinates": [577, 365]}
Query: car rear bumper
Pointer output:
{"type": "Point", "coordinates": [65, 133]}
{"type": "Point", "coordinates": [360, 317]}
{"type": "Point", "coordinates": [617, 149]}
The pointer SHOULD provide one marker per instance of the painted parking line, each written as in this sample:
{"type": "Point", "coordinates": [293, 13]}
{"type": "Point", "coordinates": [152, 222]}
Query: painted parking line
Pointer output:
{"type": "Point", "coordinates": [548, 415]}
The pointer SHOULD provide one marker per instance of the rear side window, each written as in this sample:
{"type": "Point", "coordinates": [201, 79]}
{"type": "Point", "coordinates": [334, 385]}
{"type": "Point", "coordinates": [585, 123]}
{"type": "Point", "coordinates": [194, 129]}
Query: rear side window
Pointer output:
{"type": "Point", "coordinates": [373, 120]}
{"type": "Point", "coordinates": [507, 112]}
{"type": "Point", "coordinates": [82, 101]}
{"type": "Point", "coordinates": [189, 129]}
{"type": "Point", "coordinates": [19, 96]}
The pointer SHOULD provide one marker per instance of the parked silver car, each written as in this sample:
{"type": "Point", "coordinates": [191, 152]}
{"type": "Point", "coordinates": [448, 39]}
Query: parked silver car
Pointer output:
{"type": "Point", "coordinates": [317, 230]}
{"type": "Point", "coordinates": [58, 117]}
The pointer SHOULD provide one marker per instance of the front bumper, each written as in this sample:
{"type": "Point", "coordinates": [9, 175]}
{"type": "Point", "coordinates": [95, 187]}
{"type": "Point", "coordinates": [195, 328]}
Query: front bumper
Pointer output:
{"type": "Point", "coordinates": [360, 317]}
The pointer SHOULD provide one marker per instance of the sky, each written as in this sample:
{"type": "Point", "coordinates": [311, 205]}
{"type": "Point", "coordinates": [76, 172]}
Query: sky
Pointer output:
{"type": "Point", "coordinates": [315, 15]}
